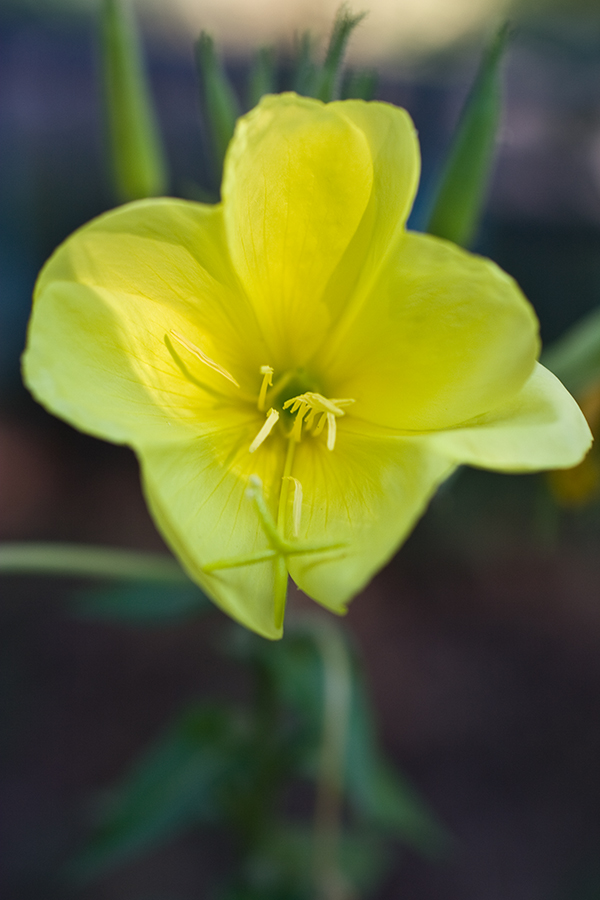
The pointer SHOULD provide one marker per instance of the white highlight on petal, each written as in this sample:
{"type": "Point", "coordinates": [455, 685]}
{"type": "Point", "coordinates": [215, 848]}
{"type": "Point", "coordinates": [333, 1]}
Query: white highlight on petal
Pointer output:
{"type": "Point", "coordinates": [203, 357]}
{"type": "Point", "coordinates": [266, 430]}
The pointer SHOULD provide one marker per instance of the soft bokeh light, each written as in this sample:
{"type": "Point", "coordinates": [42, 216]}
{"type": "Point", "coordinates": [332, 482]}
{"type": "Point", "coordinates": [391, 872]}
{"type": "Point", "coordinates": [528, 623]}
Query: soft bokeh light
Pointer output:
{"type": "Point", "coordinates": [393, 29]}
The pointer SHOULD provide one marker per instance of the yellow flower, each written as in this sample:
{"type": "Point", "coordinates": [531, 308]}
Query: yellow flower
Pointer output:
{"type": "Point", "coordinates": [296, 372]}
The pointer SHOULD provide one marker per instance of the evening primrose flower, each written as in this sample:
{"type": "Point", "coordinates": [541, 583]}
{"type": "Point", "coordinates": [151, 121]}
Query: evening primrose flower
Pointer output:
{"type": "Point", "coordinates": [296, 372]}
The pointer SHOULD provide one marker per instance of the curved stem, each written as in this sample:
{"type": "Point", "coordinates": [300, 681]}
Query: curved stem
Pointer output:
{"type": "Point", "coordinates": [81, 561]}
{"type": "Point", "coordinates": [330, 883]}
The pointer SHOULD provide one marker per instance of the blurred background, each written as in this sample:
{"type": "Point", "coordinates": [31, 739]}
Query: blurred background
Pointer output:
{"type": "Point", "coordinates": [481, 639]}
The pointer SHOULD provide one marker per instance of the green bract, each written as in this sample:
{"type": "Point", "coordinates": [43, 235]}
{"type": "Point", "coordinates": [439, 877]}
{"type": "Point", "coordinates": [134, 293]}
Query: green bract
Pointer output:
{"type": "Point", "coordinates": [296, 372]}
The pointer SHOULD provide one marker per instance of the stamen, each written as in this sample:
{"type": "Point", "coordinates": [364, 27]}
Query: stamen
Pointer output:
{"type": "Point", "coordinates": [300, 409]}
{"type": "Point", "coordinates": [203, 357]}
{"type": "Point", "coordinates": [331, 431]}
{"type": "Point", "coordinates": [320, 425]}
{"type": "Point", "coordinates": [297, 505]}
{"type": "Point", "coordinates": [267, 382]}
{"type": "Point", "coordinates": [266, 430]}
{"type": "Point", "coordinates": [312, 405]}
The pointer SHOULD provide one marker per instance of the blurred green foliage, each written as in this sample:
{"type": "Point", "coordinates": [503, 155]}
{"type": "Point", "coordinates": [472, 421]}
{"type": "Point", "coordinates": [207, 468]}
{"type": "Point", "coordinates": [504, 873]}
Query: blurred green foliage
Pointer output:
{"type": "Point", "coordinates": [463, 188]}
{"type": "Point", "coordinates": [227, 766]}
{"type": "Point", "coordinates": [219, 103]}
{"type": "Point", "coordinates": [137, 154]}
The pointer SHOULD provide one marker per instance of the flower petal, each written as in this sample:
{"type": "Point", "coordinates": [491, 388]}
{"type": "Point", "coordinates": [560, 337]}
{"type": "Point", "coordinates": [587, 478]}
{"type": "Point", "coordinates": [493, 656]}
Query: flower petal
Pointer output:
{"type": "Point", "coordinates": [395, 153]}
{"type": "Point", "coordinates": [368, 494]}
{"type": "Point", "coordinates": [197, 492]}
{"type": "Point", "coordinates": [541, 428]}
{"type": "Point", "coordinates": [442, 336]}
{"type": "Point", "coordinates": [297, 180]}
{"type": "Point", "coordinates": [101, 351]}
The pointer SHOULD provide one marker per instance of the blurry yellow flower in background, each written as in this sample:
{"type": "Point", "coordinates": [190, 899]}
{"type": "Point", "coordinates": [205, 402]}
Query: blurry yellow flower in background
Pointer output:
{"type": "Point", "coordinates": [580, 485]}
{"type": "Point", "coordinates": [295, 371]}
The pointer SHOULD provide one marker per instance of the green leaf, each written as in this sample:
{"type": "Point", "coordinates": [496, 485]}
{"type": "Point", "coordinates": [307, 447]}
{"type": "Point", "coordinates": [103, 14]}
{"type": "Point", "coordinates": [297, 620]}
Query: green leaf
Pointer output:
{"type": "Point", "coordinates": [141, 604]}
{"type": "Point", "coordinates": [381, 796]}
{"type": "Point", "coordinates": [136, 149]}
{"type": "Point", "coordinates": [329, 78]}
{"type": "Point", "coordinates": [176, 783]}
{"type": "Point", "coordinates": [284, 861]}
{"type": "Point", "coordinates": [262, 78]}
{"type": "Point", "coordinates": [304, 68]}
{"type": "Point", "coordinates": [219, 102]}
{"type": "Point", "coordinates": [360, 85]}
{"type": "Point", "coordinates": [82, 561]}
{"type": "Point", "coordinates": [296, 673]}
{"type": "Point", "coordinates": [463, 187]}
{"type": "Point", "coordinates": [575, 357]}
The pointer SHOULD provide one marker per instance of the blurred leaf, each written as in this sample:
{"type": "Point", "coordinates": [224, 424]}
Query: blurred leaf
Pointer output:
{"type": "Point", "coordinates": [329, 78]}
{"type": "Point", "coordinates": [244, 892]}
{"type": "Point", "coordinates": [137, 153]}
{"type": "Point", "coordinates": [83, 561]}
{"type": "Point", "coordinates": [262, 77]}
{"type": "Point", "coordinates": [575, 357]}
{"type": "Point", "coordinates": [141, 604]}
{"type": "Point", "coordinates": [464, 182]}
{"type": "Point", "coordinates": [296, 672]}
{"type": "Point", "coordinates": [304, 69]}
{"type": "Point", "coordinates": [177, 782]}
{"type": "Point", "coordinates": [359, 85]}
{"type": "Point", "coordinates": [219, 102]}
{"type": "Point", "coordinates": [379, 794]}
{"type": "Point", "coordinates": [285, 860]}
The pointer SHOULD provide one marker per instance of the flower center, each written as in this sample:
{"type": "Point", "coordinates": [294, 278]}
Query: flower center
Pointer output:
{"type": "Point", "coordinates": [289, 398]}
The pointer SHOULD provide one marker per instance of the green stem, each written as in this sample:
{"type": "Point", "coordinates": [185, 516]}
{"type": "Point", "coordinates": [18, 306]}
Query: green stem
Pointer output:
{"type": "Point", "coordinates": [281, 570]}
{"type": "Point", "coordinates": [285, 486]}
{"type": "Point", "coordinates": [81, 561]}
{"type": "Point", "coordinates": [337, 695]}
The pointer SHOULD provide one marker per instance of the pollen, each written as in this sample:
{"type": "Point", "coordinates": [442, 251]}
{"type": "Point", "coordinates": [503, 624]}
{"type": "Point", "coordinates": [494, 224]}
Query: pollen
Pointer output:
{"type": "Point", "coordinates": [267, 382]}
{"type": "Point", "coordinates": [265, 431]}
{"type": "Point", "coordinates": [315, 411]}
{"type": "Point", "coordinates": [203, 357]}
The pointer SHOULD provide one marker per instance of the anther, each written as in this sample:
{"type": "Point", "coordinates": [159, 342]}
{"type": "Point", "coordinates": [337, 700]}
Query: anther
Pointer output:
{"type": "Point", "coordinates": [296, 505]}
{"type": "Point", "coordinates": [203, 357]}
{"type": "Point", "coordinates": [312, 405]}
{"type": "Point", "coordinates": [267, 382]}
{"type": "Point", "coordinates": [266, 430]}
